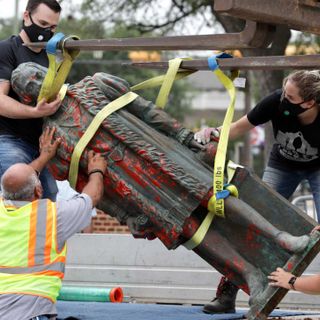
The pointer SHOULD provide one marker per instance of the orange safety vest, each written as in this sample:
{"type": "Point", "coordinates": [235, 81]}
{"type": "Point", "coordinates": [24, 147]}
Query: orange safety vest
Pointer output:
{"type": "Point", "coordinates": [30, 262]}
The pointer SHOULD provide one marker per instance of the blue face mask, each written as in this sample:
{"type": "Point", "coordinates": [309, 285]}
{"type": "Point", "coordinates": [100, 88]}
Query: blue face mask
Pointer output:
{"type": "Point", "coordinates": [291, 109]}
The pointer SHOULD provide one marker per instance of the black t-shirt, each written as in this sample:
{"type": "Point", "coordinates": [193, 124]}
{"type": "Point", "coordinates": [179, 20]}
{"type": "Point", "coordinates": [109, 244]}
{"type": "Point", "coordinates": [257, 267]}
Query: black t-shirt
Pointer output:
{"type": "Point", "coordinates": [13, 53]}
{"type": "Point", "coordinates": [297, 146]}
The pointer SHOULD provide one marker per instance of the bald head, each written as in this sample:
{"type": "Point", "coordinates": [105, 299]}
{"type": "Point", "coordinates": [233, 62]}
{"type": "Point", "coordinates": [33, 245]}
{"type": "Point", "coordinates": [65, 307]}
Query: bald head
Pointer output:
{"type": "Point", "coordinates": [20, 182]}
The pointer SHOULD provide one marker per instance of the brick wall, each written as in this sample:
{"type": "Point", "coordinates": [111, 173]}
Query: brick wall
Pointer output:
{"type": "Point", "coordinates": [103, 223]}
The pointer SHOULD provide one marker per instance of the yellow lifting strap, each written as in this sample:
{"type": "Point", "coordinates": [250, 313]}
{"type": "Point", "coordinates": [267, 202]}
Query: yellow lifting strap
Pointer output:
{"type": "Point", "coordinates": [216, 204]}
{"type": "Point", "coordinates": [166, 81]}
{"type": "Point", "coordinates": [92, 129]}
{"type": "Point", "coordinates": [58, 70]}
{"type": "Point", "coordinates": [221, 191]}
{"type": "Point", "coordinates": [63, 91]}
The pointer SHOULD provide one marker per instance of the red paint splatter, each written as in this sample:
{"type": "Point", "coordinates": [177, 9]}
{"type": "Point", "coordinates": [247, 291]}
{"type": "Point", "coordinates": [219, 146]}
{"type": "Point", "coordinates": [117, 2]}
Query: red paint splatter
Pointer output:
{"type": "Point", "coordinates": [252, 235]}
{"type": "Point", "coordinates": [290, 266]}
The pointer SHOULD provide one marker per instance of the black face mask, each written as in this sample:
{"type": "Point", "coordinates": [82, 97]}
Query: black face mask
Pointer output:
{"type": "Point", "coordinates": [291, 109]}
{"type": "Point", "coordinates": [37, 33]}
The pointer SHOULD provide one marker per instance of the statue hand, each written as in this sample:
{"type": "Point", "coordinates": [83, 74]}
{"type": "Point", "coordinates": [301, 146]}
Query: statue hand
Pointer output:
{"type": "Point", "coordinates": [194, 144]}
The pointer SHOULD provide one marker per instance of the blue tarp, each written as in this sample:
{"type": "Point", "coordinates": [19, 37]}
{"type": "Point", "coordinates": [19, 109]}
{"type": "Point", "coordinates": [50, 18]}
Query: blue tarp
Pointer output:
{"type": "Point", "coordinates": [137, 311]}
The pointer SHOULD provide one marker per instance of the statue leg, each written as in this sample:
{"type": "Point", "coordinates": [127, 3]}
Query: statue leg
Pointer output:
{"type": "Point", "coordinates": [220, 246]}
{"type": "Point", "coordinates": [220, 253]}
{"type": "Point", "coordinates": [242, 214]}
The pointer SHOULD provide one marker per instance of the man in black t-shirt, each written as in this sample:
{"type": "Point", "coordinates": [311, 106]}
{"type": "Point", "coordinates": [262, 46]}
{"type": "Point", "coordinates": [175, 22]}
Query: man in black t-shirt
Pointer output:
{"type": "Point", "coordinates": [294, 112]}
{"type": "Point", "coordinates": [20, 124]}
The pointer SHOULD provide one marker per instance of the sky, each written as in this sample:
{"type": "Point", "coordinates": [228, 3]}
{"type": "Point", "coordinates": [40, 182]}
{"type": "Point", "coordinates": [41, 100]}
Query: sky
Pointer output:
{"type": "Point", "coordinates": [8, 11]}
{"type": "Point", "coordinates": [8, 7]}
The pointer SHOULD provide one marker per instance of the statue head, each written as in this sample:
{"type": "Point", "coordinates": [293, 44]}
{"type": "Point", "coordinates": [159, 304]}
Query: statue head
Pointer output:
{"type": "Point", "coordinates": [26, 81]}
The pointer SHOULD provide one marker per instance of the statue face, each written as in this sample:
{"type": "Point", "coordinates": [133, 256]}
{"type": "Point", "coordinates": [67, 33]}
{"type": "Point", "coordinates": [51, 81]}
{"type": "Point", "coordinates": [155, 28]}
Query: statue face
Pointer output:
{"type": "Point", "coordinates": [26, 81]}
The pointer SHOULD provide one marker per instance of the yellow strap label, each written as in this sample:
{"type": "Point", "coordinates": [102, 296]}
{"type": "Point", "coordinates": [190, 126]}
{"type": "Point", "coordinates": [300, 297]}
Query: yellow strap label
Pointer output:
{"type": "Point", "coordinates": [92, 129]}
{"type": "Point", "coordinates": [220, 159]}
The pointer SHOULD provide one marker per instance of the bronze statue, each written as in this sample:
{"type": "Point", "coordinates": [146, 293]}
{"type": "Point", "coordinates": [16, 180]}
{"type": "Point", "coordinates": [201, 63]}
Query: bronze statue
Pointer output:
{"type": "Point", "coordinates": [159, 180]}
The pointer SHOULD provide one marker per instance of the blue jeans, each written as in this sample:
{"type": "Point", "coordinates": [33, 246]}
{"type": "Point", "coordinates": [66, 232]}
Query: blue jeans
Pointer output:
{"type": "Point", "coordinates": [286, 182]}
{"type": "Point", "coordinates": [15, 150]}
{"type": "Point", "coordinates": [40, 318]}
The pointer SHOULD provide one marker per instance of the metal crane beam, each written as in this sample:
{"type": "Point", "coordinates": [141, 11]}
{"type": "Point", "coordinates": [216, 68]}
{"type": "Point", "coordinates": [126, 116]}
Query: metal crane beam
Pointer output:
{"type": "Point", "coordinates": [303, 15]}
{"type": "Point", "coordinates": [254, 35]}
{"type": "Point", "coordinates": [246, 63]}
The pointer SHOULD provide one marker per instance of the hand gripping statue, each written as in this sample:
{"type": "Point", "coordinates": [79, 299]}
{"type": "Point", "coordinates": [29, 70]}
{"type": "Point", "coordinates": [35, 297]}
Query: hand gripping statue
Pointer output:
{"type": "Point", "coordinates": [157, 182]}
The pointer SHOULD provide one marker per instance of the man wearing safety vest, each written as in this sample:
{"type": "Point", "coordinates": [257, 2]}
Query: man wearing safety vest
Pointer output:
{"type": "Point", "coordinates": [33, 233]}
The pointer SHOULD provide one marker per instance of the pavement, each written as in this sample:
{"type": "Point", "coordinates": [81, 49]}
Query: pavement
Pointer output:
{"type": "Point", "coordinates": [139, 311]}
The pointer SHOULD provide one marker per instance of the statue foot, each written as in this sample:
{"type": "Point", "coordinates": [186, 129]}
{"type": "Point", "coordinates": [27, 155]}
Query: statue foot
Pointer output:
{"type": "Point", "coordinates": [292, 243]}
{"type": "Point", "coordinates": [257, 283]}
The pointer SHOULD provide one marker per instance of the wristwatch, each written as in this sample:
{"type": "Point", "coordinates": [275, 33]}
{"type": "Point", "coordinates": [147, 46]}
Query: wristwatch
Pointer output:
{"type": "Point", "coordinates": [291, 282]}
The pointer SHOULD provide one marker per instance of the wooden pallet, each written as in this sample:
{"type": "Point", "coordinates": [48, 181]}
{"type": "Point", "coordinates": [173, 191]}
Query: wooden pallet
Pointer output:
{"type": "Point", "coordinates": [272, 296]}
{"type": "Point", "coordinates": [286, 217]}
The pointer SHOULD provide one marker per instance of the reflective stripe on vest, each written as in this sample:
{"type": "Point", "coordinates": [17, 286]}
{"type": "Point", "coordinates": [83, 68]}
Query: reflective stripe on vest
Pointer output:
{"type": "Point", "coordinates": [30, 262]}
{"type": "Point", "coordinates": [56, 266]}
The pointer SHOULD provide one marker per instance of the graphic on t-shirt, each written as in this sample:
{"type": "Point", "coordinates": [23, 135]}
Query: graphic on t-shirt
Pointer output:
{"type": "Point", "coordinates": [293, 146]}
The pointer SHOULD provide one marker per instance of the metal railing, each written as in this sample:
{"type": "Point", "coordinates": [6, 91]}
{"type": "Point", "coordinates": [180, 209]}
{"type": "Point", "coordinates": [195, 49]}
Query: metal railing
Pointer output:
{"type": "Point", "coordinates": [306, 204]}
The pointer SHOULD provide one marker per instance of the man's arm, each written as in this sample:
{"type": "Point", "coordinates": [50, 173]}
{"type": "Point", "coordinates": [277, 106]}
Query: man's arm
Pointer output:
{"type": "Point", "coordinates": [97, 166]}
{"type": "Point", "coordinates": [160, 120]}
{"type": "Point", "coordinates": [113, 87]}
{"type": "Point", "coordinates": [75, 214]}
{"type": "Point", "coordinates": [48, 149]}
{"type": "Point", "coordinates": [10, 108]}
